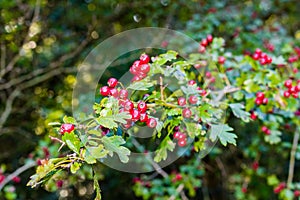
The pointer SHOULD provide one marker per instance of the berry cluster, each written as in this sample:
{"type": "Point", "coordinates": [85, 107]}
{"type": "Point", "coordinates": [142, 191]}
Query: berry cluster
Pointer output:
{"type": "Point", "coordinates": [266, 130]}
{"type": "Point", "coordinates": [279, 187]}
{"type": "Point", "coordinates": [140, 68]}
{"type": "Point", "coordinates": [263, 58]}
{"type": "Point", "coordinates": [138, 113]}
{"type": "Point", "coordinates": [291, 90]}
{"type": "Point", "coordinates": [294, 58]}
{"type": "Point", "coordinates": [261, 99]}
{"type": "Point", "coordinates": [66, 128]}
{"type": "Point", "coordinates": [181, 138]}
{"type": "Point", "coordinates": [204, 43]}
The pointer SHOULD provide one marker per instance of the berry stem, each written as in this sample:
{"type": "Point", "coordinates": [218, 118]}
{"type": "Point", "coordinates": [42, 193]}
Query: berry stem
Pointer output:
{"type": "Point", "coordinates": [292, 158]}
{"type": "Point", "coordinates": [121, 85]}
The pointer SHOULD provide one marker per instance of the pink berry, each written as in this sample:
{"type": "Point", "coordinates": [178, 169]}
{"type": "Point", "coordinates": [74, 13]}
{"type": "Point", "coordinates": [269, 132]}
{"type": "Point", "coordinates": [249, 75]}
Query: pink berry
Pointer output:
{"type": "Point", "coordinates": [193, 99]}
{"type": "Point", "coordinates": [288, 83]}
{"type": "Point", "coordinates": [142, 106]}
{"type": "Point", "coordinates": [176, 135]}
{"type": "Point", "coordinates": [151, 123]}
{"type": "Point", "coordinates": [66, 128]}
{"type": "Point", "coordinates": [145, 68]}
{"type": "Point", "coordinates": [260, 95]}
{"type": "Point", "coordinates": [186, 113]}
{"type": "Point", "coordinates": [16, 179]}
{"type": "Point", "coordinates": [258, 101]}
{"type": "Point", "coordinates": [128, 106]}
{"type": "Point", "coordinates": [286, 94]}
{"type": "Point", "coordinates": [123, 94]}
{"type": "Point", "coordinates": [112, 82]}
{"type": "Point", "coordinates": [114, 92]}
{"type": "Point", "coordinates": [221, 60]}
{"type": "Point", "coordinates": [253, 116]}
{"type": "Point", "coordinates": [135, 115]}
{"type": "Point", "coordinates": [264, 129]}
{"type": "Point", "coordinates": [144, 59]}
{"type": "Point", "coordinates": [104, 91]}
{"type": "Point", "coordinates": [182, 142]}
{"type": "Point", "coordinates": [143, 117]}
{"type": "Point", "coordinates": [209, 38]}
{"type": "Point", "coordinates": [204, 42]}
{"type": "Point", "coordinates": [191, 82]}
{"type": "Point", "coordinates": [181, 136]}
{"type": "Point", "coordinates": [256, 56]}
{"type": "Point", "coordinates": [208, 75]}
{"type": "Point", "coordinates": [181, 101]}
{"type": "Point", "coordinates": [265, 101]}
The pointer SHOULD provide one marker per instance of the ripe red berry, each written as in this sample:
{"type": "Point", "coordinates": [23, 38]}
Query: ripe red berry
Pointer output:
{"type": "Point", "coordinates": [191, 82]}
{"type": "Point", "coordinates": [258, 101]}
{"type": "Point", "coordinates": [193, 99]}
{"type": "Point", "coordinates": [135, 115]}
{"type": "Point", "coordinates": [263, 55]}
{"type": "Point", "coordinates": [197, 66]}
{"type": "Point", "coordinates": [112, 82]}
{"type": "Point", "coordinates": [145, 68]}
{"type": "Point", "coordinates": [268, 132]}
{"type": "Point", "coordinates": [255, 165]}
{"type": "Point", "coordinates": [264, 129]}
{"type": "Point", "coordinates": [244, 190]}
{"type": "Point", "coordinates": [263, 61]}
{"type": "Point", "coordinates": [253, 116]}
{"type": "Point", "coordinates": [136, 78]}
{"type": "Point", "coordinates": [297, 193]}
{"type": "Point", "coordinates": [144, 59]}
{"type": "Point", "coordinates": [208, 75]}
{"type": "Point", "coordinates": [256, 56]}
{"type": "Point", "coordinates": [104, 91]}
{"type": "Point", "coordinates": [186, 113]}
{"type": "Point", "coordinates": [297, 87]}
{"type": "Point", "coordinates": [141, 76]}
{"type": "Point", "coordinates": [181, 101]}
{"type": "Point", "coordinates": [128, 106]}
{"type": "Point", "coordinates": [288, 83]}
{"type": "Point", "coordinates": [59, 183]}
{"type": "Point", "coordinates": [209, 38]}
{"type": "Point", "coordinates": [260, 95]}
{"type": "Point", "coordinates": [123, 94]}
{"type": "Point", "coordinates": [2, 178]}
{"type": "Point", "coordinates": [203, 93]}
{"type": "Point", "coordinates": [151, 123]}
{"type": "Point", "coordinates": [142, 106]}
{"type": "Point", "coordinates": [144, 117]}
{"type": "Point", "coordinates": [265, 101]}
{"type": "Point", "coordinates": [182, 142]}
{"type": "Point", "coordinates": [258, 51]}
{"type": "Point", "coordinates": [286, 94]}
{"type": "Point", "coordinates": [201, 49]}
{"type": "Point", "coordinates": [16, 179]}
{"type": "Point", "coordinates": [295, 95]}
{"type": "Point", "coordinates": [181, 136]}
{"type": "Point", "coordinates": [269, 60]}
{"type": "Point", "coordinates": [176, 135]}
{"type": "Point", "coordinates": [204, 42]}
{"type": "Point", "coordinates": [66, 128]}
{"type": "Point", "coordinates": [221, 60]}
{"type": "Point", "coordinates": [292, 89]}
{"type": "Point", "coordinates": [114, 92]}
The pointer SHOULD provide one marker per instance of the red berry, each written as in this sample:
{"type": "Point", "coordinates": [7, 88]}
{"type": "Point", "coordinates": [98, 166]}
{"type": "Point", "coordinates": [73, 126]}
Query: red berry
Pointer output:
{"type": "Point", "coordinates": [269, 60]}
{"type": "Point", "coordinates": [16, 179]}
{"type": "Point", "coordinates": [258, 51]}
{"type": "Point", "coordinates": [181, 101]}
{"type": "Point", "coordinates": [145, 68]}
{"type": "Point", "coordinates": [193, 99]}
{"type": "Point", "coordinates": [2, 178]}
{"type": "Point", "coordinates": [182, 142]}
{"type": "Point", "coordinates": [123, 94]}
{"type": "Point", "coordinates": [59, 183]}
{"type": "Point", "coordinates": [258, 101]}
{"type": "Point", "coordinates": [244, 190]}
{"type": "Point", "coordinates": [268, 132]}
{"type": "Point", "coordinates": [114, 92]}
{"type": "Point", "coordinates": [295, 95]}
{"type": "Point", "coordinates": [255, 165]}
{"type": "Point", "coordinates": [265, 101]}
{"type": "Point", "coordinates": [297, 193]}
{"type": "Point", "coordinates": [136, 64]}
{"type": "Point", "coordinates": [263, 61]}
{"type": "Point", "coordinates": [181, 136]}
{"type": "Point", "coordinates": [201, 49]}
{"type": "Point", "coordinates": [141, 75]}
{"type": "Point", "coordinates": [142, 106]}
{"type": "Point", "coordinates": [128, 106]}
{"type": "Point", "coordinates": [221, 60]}
{"type": "Point", "coordinates": [264, 129]}
{"type": "Point", "coordinates": [176, 135]}
{"type": "Point", "coordinates": [197, 66]}
{"type": "Point", "coordinates": [144, 59]}
{"type": "Point", "coordinates": [66, 128]}
{"type": "Point", "coordinates": [204, 42]}
{"type": "Point", "coordinates": [286, 94]}
{"type": "Point", "coordinates": [256, 56]}
{"type": "Point", "coordinates": [253, 116]}
{"type": "Point", "coordinates": [209, 38]}
{"type": "Point", "coordinates": [186, 113]}
{"type": "Point", "coordinates": [128, 123]}
{"type": "Point", "coordinates": [292, 89]}
{"type": "Point", "coordinates": [297, 87]}
{"type": "Point", "coordinates": [151, 123]}
{"type": "Point", "coordinates": [191, 82]}
{"type": "Point", "coordinates": [112, 82]}
{"type": "Point", "coordinates": [203, 93]}
{"type": "Point", "coordinates": [263, 55]}
{"type": "Point", "coordinates": [208, 75]}
{"type": "Point", "coordinates": [144, 117]}
{"type": "Point", "coordinates": [260, 95]}
{"type": "Point", "coordinates": [135, 115]}
{"type": "Point", "coordinates": [178, 177]}
{"type": "Point", "coordinates": [288, 83]}
{"type": "Point", "coordinates": [104, 91]}
{"type": "Point", "coordinates": [136, 78]}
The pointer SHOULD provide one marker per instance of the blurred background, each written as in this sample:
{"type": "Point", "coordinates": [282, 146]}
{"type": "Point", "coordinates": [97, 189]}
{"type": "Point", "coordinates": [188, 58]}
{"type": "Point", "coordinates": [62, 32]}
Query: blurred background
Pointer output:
{"type": "Point", "coordinates": [43, 41]}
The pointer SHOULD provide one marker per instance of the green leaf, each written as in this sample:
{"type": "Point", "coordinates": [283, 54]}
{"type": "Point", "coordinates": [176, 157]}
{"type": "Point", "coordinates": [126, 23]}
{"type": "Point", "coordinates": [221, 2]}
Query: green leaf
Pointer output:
{"type": "Point", "coordinates": [238, 111]}
{"type": "Point", "coordinates": [272, 180]}
{"type": "Point", "coordinates": [95, 132]}
{"type": "Point", "coordinates": [170, 55]}
{"type": "Point", "coordinates": [69, 120]}
{"type": "Point", "coordinates": [97, 187]}
{"type": "Point", "coordinates": [54, 124]}
{"type": "Point", "coordinates": [113, 144]}
{"type": "Point", "coordinates": [273, 138]}
{"type": "Point", "coordinates": [159, 127]}
{"type": "Point", "coordinates": [222, 131]}
{"type": "Point", "coordinates": [88, 157]}
{"type": "Point", "coordinates": [121, 117]}
{"type": "Point", "coordinates": [174, 111]}
{"type": "Point", "coordinates": [140, 85]}
{"type": "Point", "coordinates": [278, 60]}
{"type": "Point", "coordinates": [72, 141]}
{"type": "Point", "coordinates": [107, 122]}
{"type": "Point", "coordinates": [98, 152]}
{"type": "Point", "coordinates": [75, 167]}
{"type": "Point", "coordinates": [165, 145]}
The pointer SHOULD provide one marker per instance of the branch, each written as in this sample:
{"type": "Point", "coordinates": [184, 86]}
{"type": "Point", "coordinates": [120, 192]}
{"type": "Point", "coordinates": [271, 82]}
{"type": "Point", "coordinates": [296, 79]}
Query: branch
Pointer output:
{"type": "Point", "coordinates": [16, 173]}
{"type": "Point", "coordinates": [179, 189]}
{"type": "Point", "coordinates": [13, 61]}
{"type": "Point", "coordinates": [222, 93]}
{"type": "Point", "coordinates": [8, 107]}
{"type": "Point", "coordinates": [292, 158]}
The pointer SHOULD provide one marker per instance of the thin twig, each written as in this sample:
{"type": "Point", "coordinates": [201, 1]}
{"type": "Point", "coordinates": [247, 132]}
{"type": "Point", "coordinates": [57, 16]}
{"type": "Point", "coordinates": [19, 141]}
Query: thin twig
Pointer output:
{"type": "Point", "coordinates": [292, 158]}
{"type": "Point", "coordinates": [16, 173]}
{"type": "Point", "coordinates": [178, 190]}
{"type": "Point", "coordinates": [8, 107]}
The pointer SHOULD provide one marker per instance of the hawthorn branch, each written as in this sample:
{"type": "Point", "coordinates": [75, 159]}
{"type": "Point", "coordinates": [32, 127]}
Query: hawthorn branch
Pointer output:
{"type": "Point", "coordinates": [292, 158]}
{"type": "Point", "coordinates": [8, 107]}
{"type": "Point", "coordinates": [179, 189]}
{"type": "Point", "coordinates": [16, 173]}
